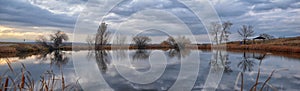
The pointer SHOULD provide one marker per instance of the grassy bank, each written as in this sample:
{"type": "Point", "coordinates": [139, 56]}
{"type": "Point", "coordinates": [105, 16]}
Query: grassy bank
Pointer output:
{"type": "Point", "coordinates": [21, 48]}
{"type": "Point", "coordinates": [288, 45]}
{"type": "Point", "coordinates": [265, 47]}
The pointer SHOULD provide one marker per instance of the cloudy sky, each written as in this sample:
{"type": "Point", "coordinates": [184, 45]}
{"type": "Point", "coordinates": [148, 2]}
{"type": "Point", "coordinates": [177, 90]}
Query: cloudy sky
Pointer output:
{"type": "Point", "coordinates": [27, 19]}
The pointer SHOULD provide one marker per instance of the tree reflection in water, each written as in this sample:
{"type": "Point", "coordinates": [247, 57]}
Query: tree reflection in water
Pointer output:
{"type": "Point", "coordinates": [102, 59]}
{"type": "Point", "coordinates": [246, 63]}
{"type": "Point", "coordinates": [226, 63]}
{"type": "Point", "coordinates": [179, 53]}
{"type": "Point", "coordinates": [59, 58]}
{"type": "Point", "coordinates": [43, 56]}
{"type": "Point", "coordinates": [222, 57]}
{"type": "Point", "coordinates": [141, 54]}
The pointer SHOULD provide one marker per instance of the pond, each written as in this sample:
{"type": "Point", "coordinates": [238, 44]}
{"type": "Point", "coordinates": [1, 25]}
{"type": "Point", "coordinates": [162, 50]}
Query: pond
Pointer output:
{"type": "Point", "coordinates": [163, 69]}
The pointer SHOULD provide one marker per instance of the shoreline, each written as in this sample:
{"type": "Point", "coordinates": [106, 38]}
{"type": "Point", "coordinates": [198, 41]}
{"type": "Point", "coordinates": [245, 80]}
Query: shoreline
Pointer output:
{"type": "Point", "coordinates": [20, 50]}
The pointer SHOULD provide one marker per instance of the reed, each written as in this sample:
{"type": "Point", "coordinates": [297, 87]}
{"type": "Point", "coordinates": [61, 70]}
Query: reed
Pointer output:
{"type": "Point", "coordinates": [10, 67]}
{"type": "Point", "coordinates": [264, 84]}
{"type": "Point", "coordinates": [24, 81]}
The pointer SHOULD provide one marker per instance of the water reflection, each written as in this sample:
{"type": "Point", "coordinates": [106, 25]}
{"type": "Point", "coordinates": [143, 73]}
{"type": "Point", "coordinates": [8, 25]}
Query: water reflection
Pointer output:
{"type": "Point", "coordinates": [102, 60]}
{"type": "Point", "coordinates": [58, 58]}
{"type": "Point", "coordinates": [246, 64]}
{"type": "Point", "coordinates": [179, 53]}
{"type": "Point", "coordinates": [141, 54]}
{"type": "Point", "coordinates": [221, 58]}
{"type": "Point", "coordinates": [218, 65]}
{"type": "Point", "coordinates": [20, 55]}
{"type": "Point", "coordinates": [43, 56]}
{"type": "Point", "coordinates": [247, 71]}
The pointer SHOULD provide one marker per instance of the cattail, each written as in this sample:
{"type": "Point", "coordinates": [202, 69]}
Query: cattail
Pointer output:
{"type": "Point", "coordinates": [6, 84]}
{"type": "Point", "coordinates": [10, 67]}
{"type": "Point", "coordinates": [22, 80]}
{"type": "Point", "coordinates": [261, 89]}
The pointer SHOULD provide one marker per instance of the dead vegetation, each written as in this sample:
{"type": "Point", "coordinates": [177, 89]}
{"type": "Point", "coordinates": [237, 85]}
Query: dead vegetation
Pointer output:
{"type": "Point", "coordinates": [11, 80]}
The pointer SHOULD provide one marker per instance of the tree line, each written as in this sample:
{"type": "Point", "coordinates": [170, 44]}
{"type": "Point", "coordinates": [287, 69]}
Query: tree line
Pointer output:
{"type": "Point", "coordinates": [219, 32]}
{"type": "Point", "coordinates": [57, 40]}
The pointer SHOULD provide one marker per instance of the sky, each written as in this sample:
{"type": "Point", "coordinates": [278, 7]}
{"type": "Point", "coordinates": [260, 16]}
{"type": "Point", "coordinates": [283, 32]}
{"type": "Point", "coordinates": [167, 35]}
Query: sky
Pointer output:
{"type": "Point", "coordinates": [28, 19]}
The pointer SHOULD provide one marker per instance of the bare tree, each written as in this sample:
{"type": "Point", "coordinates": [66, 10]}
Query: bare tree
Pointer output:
{"type": "Point", "coordinates": [215, 30]}
{"type": "Point", "coordinates": [102, 36]}
{"type": "Point", "coordinates": [58, 38]}
{"type": "Point", "coordinates": [90, 41]}
{"type": "Point", "coordinates": [101, 39]}
{"type": "Point", "coordinates": [119, 40]}
{"type": "Point", "coordinates": [220, 32]}
{"type": "Point", "coordinates": [225, 31]}
{"type": "Point", "coordinates": [245, 32]}
{"type": "Point", "coordinates": [267, 36]}
{"type": "Point", "coordinates": [170, 42]}
{"type": "Point", "coordinates": [141, 41]}
{"type": "Point", "coordinates": [179, 42]}
{"type": "Point", "coordinates": [182, 41]}
{"type": "Point", "coordinates": [42, 40]}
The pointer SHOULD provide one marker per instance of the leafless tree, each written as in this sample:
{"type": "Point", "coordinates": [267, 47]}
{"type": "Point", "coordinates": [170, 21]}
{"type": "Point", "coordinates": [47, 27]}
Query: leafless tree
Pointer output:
{"type": "Point", "coordinates": [179, 42]}
{"type": "Point", "coordinates": [170, 42]}
{"type": "Point", "coordinates": [245, 32]}
{"type": "Point", "coordinates": [58, 38]}
{"type": "Point", "coordinates": [182, 41]}
{"type": "Point", "coordinates": [225, 31]}
{"type": "Point", "coordinates": [119, 39]}
{"type": "Point", "coordinates": [220, 32]}
{"type": "Point", "coordinates": [267, 36]}
{"type": "Point", "coordinates": [42, 40]}
{"type": "Point", "coordinates": [90, 41]}
{"type": "Point", "coordinates": [141, 41]}
{"type": "Point", "coordinates": [102, 36]}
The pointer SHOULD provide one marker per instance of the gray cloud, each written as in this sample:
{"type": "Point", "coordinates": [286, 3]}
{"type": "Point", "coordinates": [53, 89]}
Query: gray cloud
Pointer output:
{"type": "Point", "coordinates": [22, 13]}
{"type": "Point", "coordinates": [281, 4]}
{"type": "Point", "coordinates": [277, 17]}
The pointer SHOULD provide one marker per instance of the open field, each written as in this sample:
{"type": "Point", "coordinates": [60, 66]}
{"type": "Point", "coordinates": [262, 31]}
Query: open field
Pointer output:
{"type": "Point", "coordinates": [19, 48]}
{"type": "Point", "coordinates": [291, 45]}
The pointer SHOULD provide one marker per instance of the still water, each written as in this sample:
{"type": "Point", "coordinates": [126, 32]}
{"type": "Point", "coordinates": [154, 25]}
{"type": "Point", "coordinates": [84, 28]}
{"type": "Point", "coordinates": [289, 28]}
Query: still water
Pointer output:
{"type": "Point", "coordinates": [165, 69]}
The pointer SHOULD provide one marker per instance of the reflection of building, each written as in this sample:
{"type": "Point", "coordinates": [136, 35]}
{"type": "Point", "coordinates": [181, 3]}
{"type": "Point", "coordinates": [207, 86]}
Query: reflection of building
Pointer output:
{"type": "Point", "coordinates": [247, 62]}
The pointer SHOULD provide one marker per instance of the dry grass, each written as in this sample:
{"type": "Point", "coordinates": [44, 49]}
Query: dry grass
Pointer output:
{"type": "Point", "coordinates": [24, 81]}
{"type": "Point", "coordinates": [265, 47]}
{"type": "Point", "coordinates": [7, 49]}
{"type": "Point", "coordinates": [20, 48]}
